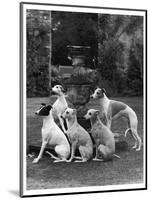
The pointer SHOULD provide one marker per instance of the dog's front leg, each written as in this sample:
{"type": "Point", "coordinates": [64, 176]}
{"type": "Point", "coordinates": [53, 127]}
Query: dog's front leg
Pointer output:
{"type": "Point", "coordinates": [36, 160]}
{"type": "Point", "coordinates": [96, 153]}
{"type": "Point", "coordinates": [96, 158]}
{"type": "Point", "coordinates": [108, 123]}
{"type": "Point", "coordinates": [107, 120]}
{"type": "Point", "coordinates": [73, 148]}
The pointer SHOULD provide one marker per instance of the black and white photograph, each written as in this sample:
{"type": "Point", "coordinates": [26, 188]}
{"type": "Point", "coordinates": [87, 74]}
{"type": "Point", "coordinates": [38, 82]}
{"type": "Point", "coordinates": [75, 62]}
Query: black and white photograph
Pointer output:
{"type": "Point", "coordinates": [82, 99]}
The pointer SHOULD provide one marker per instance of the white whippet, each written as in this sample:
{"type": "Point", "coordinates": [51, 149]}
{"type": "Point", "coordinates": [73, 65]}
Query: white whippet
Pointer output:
{"type": "Point", "coordinates": [78, 137]}
{"type": "Point", "coordinates": [115, 109]}
{"type": "Point", "coordinates": [52, 135]}
{"type": "Point", "coordinates": [60, 104]}
{"type": "Point", "coordinates": [103, 137]}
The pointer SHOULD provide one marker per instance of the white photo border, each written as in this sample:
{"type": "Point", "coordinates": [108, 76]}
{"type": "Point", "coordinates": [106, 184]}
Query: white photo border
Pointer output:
{"type": "Point", "coordinates": [76, 190]}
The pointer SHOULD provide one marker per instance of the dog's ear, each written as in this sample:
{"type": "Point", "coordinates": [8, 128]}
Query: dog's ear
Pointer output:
{"type": "Point", "coordinates": [74, 111]}
{"type": "Point", "coordinates": [103, 90]}
{"type": "Point", "coordinates": [97, 112]}
{"type": "Point", "coordinates": [62, 88]}
{"type": "Point", "coordinates": [49, 107]}
{"type": "Point", "coordinates": [43, 104]}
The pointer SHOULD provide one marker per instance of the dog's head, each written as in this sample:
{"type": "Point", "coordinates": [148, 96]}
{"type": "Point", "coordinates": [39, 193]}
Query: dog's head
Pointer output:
{"type": "Point", "coordinates": [58, 89]}
{"type": "Point", "coordinates": [69, 113]}
{"type": "Point", "coordinates": [98, 93]}
{"type": "Point", "coordinates": [43, 110]}
{"type": "Point", "coordinates": [91, 113]}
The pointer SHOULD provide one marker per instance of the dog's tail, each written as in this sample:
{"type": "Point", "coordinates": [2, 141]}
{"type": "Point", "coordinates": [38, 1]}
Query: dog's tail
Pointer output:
{"type": "Point", "coordinates": [52, 156]}
{"type": "Point", "coordinates": [116, 156]}
{"type": "Point", "coordinates": [132, 132]}
{"type": "Point", "coordinates": [127, 130]}
{"type": "Point", "coordinates": [132, 121]}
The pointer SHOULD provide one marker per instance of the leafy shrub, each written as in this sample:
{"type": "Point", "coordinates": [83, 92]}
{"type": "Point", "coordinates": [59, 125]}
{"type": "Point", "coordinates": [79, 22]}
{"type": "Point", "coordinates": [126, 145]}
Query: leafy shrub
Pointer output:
{"type": "Point", "coordinates": [38, 30]}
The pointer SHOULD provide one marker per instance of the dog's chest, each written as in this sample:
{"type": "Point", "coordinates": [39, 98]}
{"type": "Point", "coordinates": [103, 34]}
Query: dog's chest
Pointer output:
{"type": "Point", "coordinates": [53, 135]}
{"type": "Point", "coordinates": [47, 131]}
{"type": "Point", "coordinates": [78, 135]}
{"type": "Point", "coordinates": [72, 135]}
{"type": "Point", "coordinates": [59, 107]}
{"type": "Point", "coordinates": [96, 133]}
{"type": "Point", "coordinates": [104, 103]}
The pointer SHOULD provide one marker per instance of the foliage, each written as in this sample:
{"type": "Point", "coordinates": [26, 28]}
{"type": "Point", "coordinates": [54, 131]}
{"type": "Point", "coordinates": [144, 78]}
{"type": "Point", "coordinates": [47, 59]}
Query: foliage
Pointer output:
{"type": "Point", "coordinates": [134, 79]}
{"type": "Point", "coordinates": [65, 28]}
{"type": "Point", "coordinates": [115, 40]}
{"type": "Point", "coordinates": [38, 37]}
{"type": "Point", "coordinates": [72, 28]}
{"type": "Point", "coordinates": [117, 63]}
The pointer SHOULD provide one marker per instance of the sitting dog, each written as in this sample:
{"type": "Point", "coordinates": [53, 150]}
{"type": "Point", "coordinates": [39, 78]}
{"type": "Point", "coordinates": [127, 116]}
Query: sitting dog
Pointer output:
{"type": "Point", "coordinates": [115, 109]}
{"type": "Point", "coordinates": [78, 137]}
{"type": "Point", "coordinates": [60, 104]}
{"type": "Point", "coordinates": [103, 137]}
{"type": "Point", "coordinates": [52, 135]}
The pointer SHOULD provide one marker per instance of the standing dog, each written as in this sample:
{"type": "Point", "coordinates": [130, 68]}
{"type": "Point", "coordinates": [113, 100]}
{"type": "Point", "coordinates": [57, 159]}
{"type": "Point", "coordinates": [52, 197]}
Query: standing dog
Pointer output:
{"type": "Point", "coordinates": [78, 136]}
{"type": "Point", "coordinates": [103, 137]}
{"type": "Point", "coordinates": [60, 104]}
{"type": "Point", "coordinates": [116, 109]}
{"type": "Point", "coordinates": [52, 135]}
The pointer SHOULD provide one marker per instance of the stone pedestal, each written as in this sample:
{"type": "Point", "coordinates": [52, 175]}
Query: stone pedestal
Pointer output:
{"type": "Point", "coordinates": [78, 85]}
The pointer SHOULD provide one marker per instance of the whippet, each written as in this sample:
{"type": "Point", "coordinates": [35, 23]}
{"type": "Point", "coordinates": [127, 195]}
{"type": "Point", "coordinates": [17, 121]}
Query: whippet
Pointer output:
{"type": "Point", "coordinates": [103, 136]}
{"type": "Point", "coordinates": [52, 135]}
{"type": "Point", "coordinates": [60, 104]}
{"type": "Point", "coordinates": [115, 109]}
{"type": "Point", "coordinates": [78, 137]}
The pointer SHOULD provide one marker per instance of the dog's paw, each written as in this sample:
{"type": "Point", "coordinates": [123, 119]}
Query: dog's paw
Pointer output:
{"type": "Point", "coordinates": [35, 161]}
{"type": "Point", "coordinates": [55, 161]}
{"type": "Point", "coordinates": [68, 161]}
{"type": "Point", "coordinates": [78, 157]}
{"type": "Point", "coordinates": [135, 146]}
{"type": "Point", "coordinates": [138, 149]}
{"type": "Point", "coordinates": [79, 161]}
{"type": "Point", "coordinates": [98, 159]}
{"type": "Point", "coordinates": [30, 155]}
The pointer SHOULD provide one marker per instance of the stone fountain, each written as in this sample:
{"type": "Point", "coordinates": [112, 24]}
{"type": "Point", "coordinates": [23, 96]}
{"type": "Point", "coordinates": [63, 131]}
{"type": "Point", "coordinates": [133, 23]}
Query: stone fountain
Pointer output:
{"type": "Point", "coordinates": [80, 83]}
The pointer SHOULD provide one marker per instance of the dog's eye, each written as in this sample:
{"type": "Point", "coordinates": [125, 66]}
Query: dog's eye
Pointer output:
{"type": "Point", "coordinates": [57, 87]}
{"type": "Point", "coordinates": [90, 113]}
{"type": "Point", "coordinates": [67, 112]}
{"type": "Point", "coordinates": [98, 93]}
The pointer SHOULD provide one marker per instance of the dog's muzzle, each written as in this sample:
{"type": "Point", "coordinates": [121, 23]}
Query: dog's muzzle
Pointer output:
{"type": "Point", "coordinates": [85, 117]}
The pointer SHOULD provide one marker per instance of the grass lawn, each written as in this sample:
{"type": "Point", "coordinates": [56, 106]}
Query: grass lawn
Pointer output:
{"type": "Point", "coordinates": [47, 175]}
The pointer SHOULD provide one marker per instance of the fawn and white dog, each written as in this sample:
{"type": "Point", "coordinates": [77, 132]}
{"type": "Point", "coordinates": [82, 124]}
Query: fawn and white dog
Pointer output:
{"type": "Point", "coordinates": [60, 104]}
{"type": "Point", "coordinates": [103, 136]}
{"type": "Point", "coordinates": [115, 109]}
{"type": "Point", "coordinates": [78, 137]}
{"type": "Point", "coordinates": [52, 135]}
